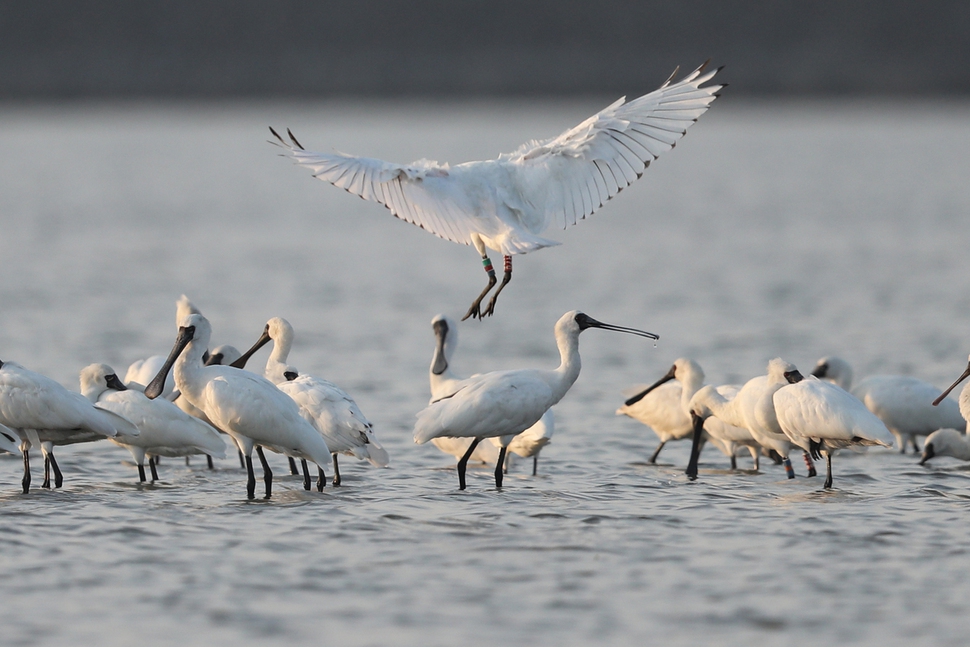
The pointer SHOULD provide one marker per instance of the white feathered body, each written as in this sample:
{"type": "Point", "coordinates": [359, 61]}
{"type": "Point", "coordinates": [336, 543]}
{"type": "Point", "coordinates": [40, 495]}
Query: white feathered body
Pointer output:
{"type": "Point", "coordinates": [905, 405]}
{"type": "Point", "coordinates": [821, 411]}
{"type": "Point", "coordinates": [337, 417]}
{"type": "Point", "coordinates": [508, 202]}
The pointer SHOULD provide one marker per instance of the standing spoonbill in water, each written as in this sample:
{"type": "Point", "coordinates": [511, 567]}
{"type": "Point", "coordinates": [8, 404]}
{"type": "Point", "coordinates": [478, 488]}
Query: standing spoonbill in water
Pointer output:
{"type": "Point", "coordinates": [903, 403]}
{"type": "Point", "coordinates": [444, 382]}
{"type": "Point", "coordinates": [505, 403]}
{"type": "Point", "coordinates": [323, 404]}
{"type": "Point", "coordinates": [506, 203]}
{"type": "Point", "coordinates": [246, 406]}
{"type": "Point", "coordinates": [44, 413]}
{"type": "Point", "coordinates": [165, 430]}
{"type": "Point", "coordinates": [665, 408]}
{"type": "Point", "coordinates": [821, 417]}
{"type": "Point", "coordinates": [750, 408]}
{"type": "Point", "coordinates": [141, 371]}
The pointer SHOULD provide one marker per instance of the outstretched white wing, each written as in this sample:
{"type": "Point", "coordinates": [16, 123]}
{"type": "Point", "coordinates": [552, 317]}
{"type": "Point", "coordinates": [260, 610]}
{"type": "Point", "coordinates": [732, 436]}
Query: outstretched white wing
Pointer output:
{"type": "Point", "coordinates": [563, 179]}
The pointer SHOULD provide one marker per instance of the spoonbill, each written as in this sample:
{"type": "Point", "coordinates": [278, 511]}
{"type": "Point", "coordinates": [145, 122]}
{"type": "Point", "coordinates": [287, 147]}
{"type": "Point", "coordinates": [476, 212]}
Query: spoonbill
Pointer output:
{"type": "Point", "coordinates": [323, 404]}
{"type": "Point", "coordinates": [947, 442]}
{"type": "Point", "coordinates": [246, 406]}
{"type": "Point", "coordinates": [903, 403]}
{"type": "Point", "coordinates": [44, 413]}
{"type": "Point", "coordinates": [165, 429]}
{"type": "Point", "coordinates": [506, 203]}
{"type": "Point", "coordinates": [665, 408]}
{"type": "Point", "coordinates": [751, 408]}
{"type": "Point", "coordinates": [444, 382]}
{"type": "Point", "coordinates": [504, 403]}
{"type": "Point", "coordinates": [821, 417]}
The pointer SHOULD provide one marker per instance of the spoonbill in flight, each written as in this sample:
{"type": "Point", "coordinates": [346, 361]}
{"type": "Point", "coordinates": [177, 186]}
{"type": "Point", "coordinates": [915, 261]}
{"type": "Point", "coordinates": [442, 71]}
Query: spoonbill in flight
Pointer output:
{"type": "Point", "coordinates": [504, 403]}
{"type": "Point", "coordinates": [443, 383]}
{"type": "Point", "coordinates": [246, 406]}
{"type": "Point", "coordinates": [903, 403]}
{"type": "Point", "coordinates": [506, 204]}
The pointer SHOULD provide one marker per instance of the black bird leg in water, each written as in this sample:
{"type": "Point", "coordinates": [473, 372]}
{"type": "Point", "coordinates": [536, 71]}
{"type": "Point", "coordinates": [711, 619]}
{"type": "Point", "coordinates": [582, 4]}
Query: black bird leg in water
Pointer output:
{"type": "Point", "coordinates": [653, 457]}
{"type": "Point", "coordinates": [734, 462]}
{"type": "Point", "coordinates": [267, 472]}
{"type": "Point", "coordinates": [306, 474]}
{"type": "Point", "coordinates": [141, 474]}
{"type": "Point", "coordinates": [293, 470]}
{"type": "Point", "coordinates": [242, 460]}
{"type": "Point", "coordinates": [336, 472]}
{"type": "Point", "coordinates": [506, 277]}
{"type": "Point", "coordinates": [321, 479]}
{"type": "Point", "coordinates": [58, 477]}
{"type": "Point", "coordinates": [26, 480]}
{"type": "Point", "coordinates": [463, 463]}
{"type": "Point", "coordinates": [152, 461]}
{"type": "Point", "coordinates": [505, 464]}
{"type": "Point", "coordinates": [809, 465]}
{"type": "Point", "coordinates": [828, 464]}
{"type": "Point", "coordinates": [498, 466]}
{"type": "Point", "coordinates": [208, 461]}
{"type": "Point", "coordinates": [251, 480]}
{"type": "Point", "coordinates": [475, 309]}
{"type": "Point", "coordinates": [47, 473]}
{"type": "Point", "coordinates": [535, 464]}
{"type": "Point", "coordinates": [916, 449]}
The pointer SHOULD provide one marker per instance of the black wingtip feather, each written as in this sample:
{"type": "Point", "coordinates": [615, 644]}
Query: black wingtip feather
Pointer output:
{"type": "Point", "coordinates": [298, 145]}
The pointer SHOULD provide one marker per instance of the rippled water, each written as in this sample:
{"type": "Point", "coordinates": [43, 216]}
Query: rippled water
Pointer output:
{"type": "Point", "coordinates": [773, 229]}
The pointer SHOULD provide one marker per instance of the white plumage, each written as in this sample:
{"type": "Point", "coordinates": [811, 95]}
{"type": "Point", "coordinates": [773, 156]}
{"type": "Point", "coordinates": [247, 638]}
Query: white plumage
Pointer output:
{"type": "Point", "coordinates": [665, 408]}
{"type": "Point", "coordinates": [44, 413]}
{"type": "Point", "coordinates": [327, 407]}
{"type": "Point", "coordinates": [821, 417]}
{"type": "Point", "coordinates": [506, 204]}
{"type": "Point", "coordinates": [903, 403]}
{"type": "Point", "coordinates": [165, 429]}
{"type": "Point", "coordinates": [444, 383]}
{"type": "Point", "coordinates": [503, 403]}
{"type": "Point", "coordinates": [246, 406]}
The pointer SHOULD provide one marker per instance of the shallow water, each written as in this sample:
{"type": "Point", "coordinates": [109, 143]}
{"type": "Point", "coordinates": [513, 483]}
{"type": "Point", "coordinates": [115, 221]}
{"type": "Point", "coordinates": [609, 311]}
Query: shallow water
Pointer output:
{"type": "Point", "coordinates": [772, 229]}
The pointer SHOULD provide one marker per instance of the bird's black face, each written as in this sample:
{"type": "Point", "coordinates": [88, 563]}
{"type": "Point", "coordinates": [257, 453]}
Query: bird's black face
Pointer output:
{"type": "Point", "coordinates": [290, 375]}
{"type": "Point", "coordinates": [821, 370]}
{"type": "Point", "coordinates": [793, 377]}
{"type": "Point", "coordinates": [928, 452]}
{"type": "Point", "coordinates": [213, 360]}
{"type": "Point", "coordinates": [114, 383]}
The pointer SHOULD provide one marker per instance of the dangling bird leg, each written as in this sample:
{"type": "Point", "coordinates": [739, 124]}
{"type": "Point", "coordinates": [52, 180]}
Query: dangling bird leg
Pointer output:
{"type": "Point", "coordinates": [505, 280]}
{"type": "Point", "coordinates": [475, 309]}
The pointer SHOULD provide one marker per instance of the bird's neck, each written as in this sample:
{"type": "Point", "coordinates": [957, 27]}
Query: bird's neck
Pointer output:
{"type": "Point", "coordinates": [569, 366]}
{"type": "Point", "coordinates": [188, 371]}
{"type": "Point", "coordinates": [689, 387]}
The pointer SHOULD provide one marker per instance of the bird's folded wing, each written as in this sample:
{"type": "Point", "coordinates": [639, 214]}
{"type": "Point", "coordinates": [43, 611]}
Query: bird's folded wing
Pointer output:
{"type": "Point", "coordinates": [572, 175]}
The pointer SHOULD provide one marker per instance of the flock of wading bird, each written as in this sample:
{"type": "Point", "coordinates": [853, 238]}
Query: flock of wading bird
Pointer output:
{"type": "Point", "coordinates": [186, 403]}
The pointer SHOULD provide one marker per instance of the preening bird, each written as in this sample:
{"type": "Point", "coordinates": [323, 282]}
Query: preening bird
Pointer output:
{"type": "Point", "coordinates": [505, 403]}
{"type": "Point", "coordinates": [506, 204]}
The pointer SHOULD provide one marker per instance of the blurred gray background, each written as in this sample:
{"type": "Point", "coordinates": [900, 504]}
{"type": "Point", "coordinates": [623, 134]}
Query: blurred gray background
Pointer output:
{"type": "Point", "coordinates": [62, 50]}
